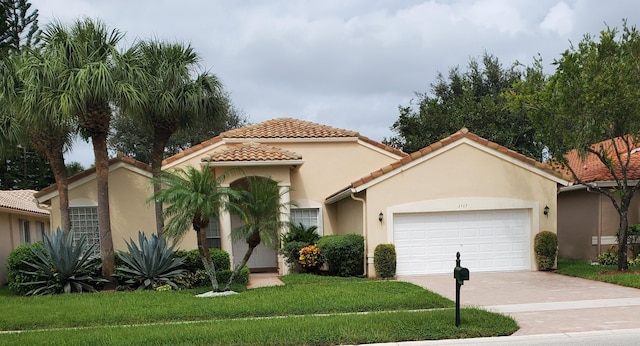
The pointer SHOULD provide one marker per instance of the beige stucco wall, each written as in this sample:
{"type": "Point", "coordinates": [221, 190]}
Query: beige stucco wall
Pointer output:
{"type": "Point", "coordinates": [128, 193]}
{"type": "Point", "coordinates": [584, 215]}
{"type": "Point", "coordinates": [462, 178]}
{"type": "Point", "coordinates": [10, 234]}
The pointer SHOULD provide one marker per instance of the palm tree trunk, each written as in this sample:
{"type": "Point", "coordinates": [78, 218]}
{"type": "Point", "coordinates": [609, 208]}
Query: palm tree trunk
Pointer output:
{"type": "Point", "coordinates": [99, 141]}
{"type": "Point", "coordinates": [160, 140]}
{"type": "Point", "coordinates": [240, 265]}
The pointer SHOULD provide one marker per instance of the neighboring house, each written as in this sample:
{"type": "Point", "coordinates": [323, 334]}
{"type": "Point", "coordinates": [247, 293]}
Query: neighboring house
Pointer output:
{"type": "Point", "coordinates": [463, 193]}
{"type": "Point", "coordinates": [22, 221]}
{"type": "Point", "coordinates": [587, 220]}
{"type": "Point", "coordinates": [129, 188]}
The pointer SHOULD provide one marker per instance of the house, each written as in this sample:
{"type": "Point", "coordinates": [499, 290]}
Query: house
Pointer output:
{"type": "Point", "coordinates": [22, 221]}
{"type": "Point", "coordinates": [587, 220]}
{"type": "Point", "coordinates": [462, 193]}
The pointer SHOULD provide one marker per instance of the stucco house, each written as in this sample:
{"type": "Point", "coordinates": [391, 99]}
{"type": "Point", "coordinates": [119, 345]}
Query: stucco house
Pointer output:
{"type": "Point", "coordinates": [587, 220]}
{"type": "Point", "coordinates": [462, 193]}
{"type": "Point", "coordinates": [22, 221]}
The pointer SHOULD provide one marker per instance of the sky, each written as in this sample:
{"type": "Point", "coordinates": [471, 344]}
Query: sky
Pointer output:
{"type": "Point", "coordinates": [344, 63]}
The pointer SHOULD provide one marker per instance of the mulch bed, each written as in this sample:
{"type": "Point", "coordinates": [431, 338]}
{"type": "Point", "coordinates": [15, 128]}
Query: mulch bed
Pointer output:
{"type": "Point", "coordinates": [618, 272]}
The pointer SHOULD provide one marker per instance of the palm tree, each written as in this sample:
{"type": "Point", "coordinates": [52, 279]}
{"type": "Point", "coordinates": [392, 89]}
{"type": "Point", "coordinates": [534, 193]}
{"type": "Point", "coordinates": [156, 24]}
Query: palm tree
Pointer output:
{"type": "Point", "coordinates": [96, 79]}
{"type": "Point", "coordinates": [27, 78]}
{"type": "Point", "coordinates": [174, 99]}
{"type": "Point", "coordinates": [193, 197]}
{"type": "Point", "coordinates": [261, 207]}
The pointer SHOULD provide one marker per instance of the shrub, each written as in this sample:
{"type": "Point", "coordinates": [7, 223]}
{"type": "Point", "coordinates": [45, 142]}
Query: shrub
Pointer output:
{"type": "Point", "coordinates": [310, 257]}
{"type": "Point", "coordinates": [546, 248]}
{"type": "Point", "coordinates": [384, 260]}
{"type": "Point", "coordinates": [193, 262]}
{"type": "Point", "coordinates": [608, 258]}
{"type": "Point", "coordinates": [242, 278]}
{"type": "Point", "coordinates": [17, 279]}
{"type": "Point", "coordinates": [301, 233]}
{"type": "Point", "coordinates": [291, 252]}
{"type": "Point", "coordinates": [62, 266]}
{"type": "Point", "coordinates": [151, 265]}
{"type": "Point", "coordinates": [344, 253]}
{"type": "Point", "coordinates": [191, 280]}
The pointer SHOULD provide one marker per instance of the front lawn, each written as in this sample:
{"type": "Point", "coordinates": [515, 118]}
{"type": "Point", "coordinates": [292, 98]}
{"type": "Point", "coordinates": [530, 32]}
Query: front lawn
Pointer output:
{"type": "Point", "coordinates": [583, 269]}
{"type": "Point", "coordinates": [310, 310]}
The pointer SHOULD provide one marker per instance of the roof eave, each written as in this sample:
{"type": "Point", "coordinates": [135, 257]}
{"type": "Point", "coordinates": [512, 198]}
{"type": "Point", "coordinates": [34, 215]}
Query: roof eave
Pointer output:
{"type": "Point", "coordinates": [340, 195]}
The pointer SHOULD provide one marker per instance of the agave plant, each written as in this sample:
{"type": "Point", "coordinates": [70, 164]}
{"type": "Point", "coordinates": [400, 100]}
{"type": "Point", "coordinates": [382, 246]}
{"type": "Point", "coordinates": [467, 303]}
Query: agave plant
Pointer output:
{"type": "Point", "coordinates": [62, 266]}
{"type": "Point", "coordinates": [150, 265]}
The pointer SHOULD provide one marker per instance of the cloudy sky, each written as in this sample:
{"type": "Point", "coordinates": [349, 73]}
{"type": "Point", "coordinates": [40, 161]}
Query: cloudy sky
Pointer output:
{"type": "Point", "coordinates": [344, 63]}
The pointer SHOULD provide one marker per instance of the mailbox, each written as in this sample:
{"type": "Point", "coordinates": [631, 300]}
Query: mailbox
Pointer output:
{"type": "Point", "coordinates": [461, 274]}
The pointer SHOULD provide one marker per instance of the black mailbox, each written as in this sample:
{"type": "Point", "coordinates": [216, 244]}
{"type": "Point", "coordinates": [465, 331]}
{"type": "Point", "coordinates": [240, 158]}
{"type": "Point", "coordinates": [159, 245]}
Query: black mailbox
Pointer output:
{"type": "Point", "coordinates": [461, 274]}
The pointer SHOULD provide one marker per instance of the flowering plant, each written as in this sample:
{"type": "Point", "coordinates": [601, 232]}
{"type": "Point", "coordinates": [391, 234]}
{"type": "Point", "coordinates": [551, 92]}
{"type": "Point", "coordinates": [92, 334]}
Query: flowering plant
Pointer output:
{"type": "Point", "coordinates": [310, 256]}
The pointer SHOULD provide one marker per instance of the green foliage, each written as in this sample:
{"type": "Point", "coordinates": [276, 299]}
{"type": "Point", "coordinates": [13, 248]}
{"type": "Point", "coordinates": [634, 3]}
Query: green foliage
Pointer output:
{"type": "Point", "coordinates": [473, 99]}
{"type": "Point", "coordinates": [546, 248]}
{"type": "Point", "coordinates": [384, 260]}
{"type": "Point", "coordinates": [150, 265]}
{"type": "Point", "coordinates": [19, 26]}
{"type": "Point", "coordinates": [193, 261]}
{"type": "Point", "coordinates": [301, 233]}
{"type": "Point", "coordinates": [344, 253]}
{"type": "Point", "coordinates": [62, 266]}
{"type": "Point", "coordinates": [190, 280]}
{"type": "Point", "coordinates": [16, 266]}
{"type": "Point", "coordinates": [592, 97]}
{"type": "Point", "coordinates": [607, 258]}
{"type": "Point", "coordinates": [291, 252]}
{"type": "Point", "coordinates": [241, 278]}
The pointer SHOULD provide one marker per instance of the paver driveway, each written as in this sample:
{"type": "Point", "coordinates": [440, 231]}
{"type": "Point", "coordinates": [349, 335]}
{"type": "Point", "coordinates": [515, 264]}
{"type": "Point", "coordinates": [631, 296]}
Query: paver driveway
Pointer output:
{"type": "Point", "coordinates": [543, 302]}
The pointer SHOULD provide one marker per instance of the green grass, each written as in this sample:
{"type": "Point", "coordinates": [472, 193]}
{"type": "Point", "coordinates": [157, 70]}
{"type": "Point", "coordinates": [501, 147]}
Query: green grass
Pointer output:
{"type": "Point", "coordinates": [307, 310]}
{"type": "Point", "coordinates": [584, 269]}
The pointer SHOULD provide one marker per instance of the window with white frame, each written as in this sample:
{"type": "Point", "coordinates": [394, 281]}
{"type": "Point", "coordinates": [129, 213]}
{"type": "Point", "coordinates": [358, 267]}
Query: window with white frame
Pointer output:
{"type": "Point", "coordinates": [307, 217]}
{"type": "Point", "coordinates": [40, 230]}
{"type": "Point", "coordinates": [213, 234]}
{"type": "Point", "coordinates": [84, 221]}
{"type": "Point", "coordinates": [25, 231]}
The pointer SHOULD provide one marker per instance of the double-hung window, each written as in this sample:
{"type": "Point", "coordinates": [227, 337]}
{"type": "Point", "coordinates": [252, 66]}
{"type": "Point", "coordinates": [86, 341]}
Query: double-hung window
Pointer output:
{"type": "Point", "coordinates": [25, 231]}
{"type": "Point", "coordinates": [307, 217]}
{"type": "Point", "coordinates": [213, 234]}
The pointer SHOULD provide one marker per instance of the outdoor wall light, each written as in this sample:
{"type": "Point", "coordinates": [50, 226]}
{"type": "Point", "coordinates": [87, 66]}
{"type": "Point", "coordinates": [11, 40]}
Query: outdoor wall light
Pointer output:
{"type": "Point", "coordinates": [546, 211]}
{"type": "Point", "coordinates": [380, 217]}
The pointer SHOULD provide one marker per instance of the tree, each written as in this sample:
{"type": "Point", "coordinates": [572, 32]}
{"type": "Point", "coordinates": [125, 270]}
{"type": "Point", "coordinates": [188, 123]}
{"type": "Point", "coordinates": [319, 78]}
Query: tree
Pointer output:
{"type": "Point", "coordinates": [131, 137]}
{"type": "Point", "coordinates": [19, 27]}
{"type": "Point", "coordinates": [472, 99]}
{"type": "Point", "coordinates": [593, 96]}
{"type": "Point", "coordinates": [96, 79]}
{"type": "Point", "coordinates": [174, 100]}
{"type": "Point", "coordinates": [193, 197]}
{"type": "Point", "coordinates": [74, 168]}
{"type": "Point", "coordinates": [261, 207]}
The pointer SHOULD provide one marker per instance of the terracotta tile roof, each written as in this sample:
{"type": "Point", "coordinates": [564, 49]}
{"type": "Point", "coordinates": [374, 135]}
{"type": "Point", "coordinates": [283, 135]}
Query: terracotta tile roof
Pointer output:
{"type": "Point", "coordinates": [463, 133]}
{"type": "Point", "coordinates": [590, 168]}
{"type": "Point", "coordinates": [22, 200]}
{"type": "Point", "coordinates": [253, 152]}
{"type": "Point", "coordinates": [92, 170]}
{"type": "Point", "coordinates": [283, 128]}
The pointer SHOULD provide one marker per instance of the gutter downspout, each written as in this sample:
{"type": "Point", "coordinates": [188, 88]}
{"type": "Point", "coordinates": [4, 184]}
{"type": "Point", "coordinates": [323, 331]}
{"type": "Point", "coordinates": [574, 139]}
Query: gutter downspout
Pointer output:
{"type": "Point", "coordinates": [364, 231]}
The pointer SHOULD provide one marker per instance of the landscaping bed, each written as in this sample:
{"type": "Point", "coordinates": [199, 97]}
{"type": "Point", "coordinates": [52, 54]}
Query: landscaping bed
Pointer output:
{"type": "Point", "coordinates": [608, 273]}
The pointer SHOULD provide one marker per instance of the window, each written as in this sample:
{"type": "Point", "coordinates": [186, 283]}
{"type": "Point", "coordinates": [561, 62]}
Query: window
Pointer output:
{"type": "Point", "coordinates": [25, 231]}
{"type": "Point", "coordinates": [213, 234]}
{"type": "Point", "coordinates": [40, 230]}
{"type": "Point", "coordinates": [306, 216]}
{"type": "Point", "coordinates": [84, 221]}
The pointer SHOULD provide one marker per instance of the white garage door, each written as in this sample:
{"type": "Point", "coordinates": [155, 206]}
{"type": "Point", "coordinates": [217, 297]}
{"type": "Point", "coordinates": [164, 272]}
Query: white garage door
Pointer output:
{"type": "Point", "coordinates": [488, 240]}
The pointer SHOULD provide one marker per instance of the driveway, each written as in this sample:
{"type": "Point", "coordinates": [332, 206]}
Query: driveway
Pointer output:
{"type": "Point", "coordinates": [543, 302]}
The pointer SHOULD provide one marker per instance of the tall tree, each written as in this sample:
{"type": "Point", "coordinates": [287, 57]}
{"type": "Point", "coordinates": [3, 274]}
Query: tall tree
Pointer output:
{"type": "Point", "coordinates": [19, 26]}
{"type": "Point", "coordinates": [594, 95]}
{"type": "Point", "coordinates": [261, 206]}
{"type": "Point", "coordinates": [472, 98]}
{"type": "Point", "coordinates": [96, 78]}
{"type": "Point", "coordinates": [174, 100]}
{"type": "Point", "coordinates": [193, 197]}
{"type": "Point", "coordinates": [132, 137]}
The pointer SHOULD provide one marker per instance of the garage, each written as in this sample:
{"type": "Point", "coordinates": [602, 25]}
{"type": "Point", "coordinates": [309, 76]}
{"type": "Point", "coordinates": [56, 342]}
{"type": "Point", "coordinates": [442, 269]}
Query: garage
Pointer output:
{"type": "Point", "coordinates": [488, 240]}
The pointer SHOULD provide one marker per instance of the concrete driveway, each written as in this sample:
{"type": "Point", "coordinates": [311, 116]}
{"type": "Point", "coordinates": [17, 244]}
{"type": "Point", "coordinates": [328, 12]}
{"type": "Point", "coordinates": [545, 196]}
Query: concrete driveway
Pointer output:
{"type": "Point", "coordinates": [543, 302]}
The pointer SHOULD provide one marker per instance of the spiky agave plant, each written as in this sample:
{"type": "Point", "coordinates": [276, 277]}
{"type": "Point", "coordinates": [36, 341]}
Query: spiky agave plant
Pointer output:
{"type": "Point", "coordinates": [62, 266]}
{"type": "Point", "coordinates": [150, 265]}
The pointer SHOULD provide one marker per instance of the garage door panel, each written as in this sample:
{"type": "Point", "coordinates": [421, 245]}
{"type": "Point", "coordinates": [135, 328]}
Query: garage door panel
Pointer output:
{"type": "Point", "coordinates": [493, 240]}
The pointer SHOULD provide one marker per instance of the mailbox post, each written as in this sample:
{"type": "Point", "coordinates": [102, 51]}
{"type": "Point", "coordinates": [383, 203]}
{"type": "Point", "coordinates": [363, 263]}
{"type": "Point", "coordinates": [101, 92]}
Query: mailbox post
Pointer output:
{"type": "Point", "coordinates": [461, 275]}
